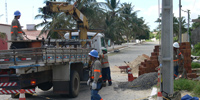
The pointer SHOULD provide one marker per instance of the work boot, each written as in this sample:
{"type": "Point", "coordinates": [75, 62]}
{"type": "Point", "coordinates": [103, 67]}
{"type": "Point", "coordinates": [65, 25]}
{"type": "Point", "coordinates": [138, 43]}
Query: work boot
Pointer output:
{"type": "Point", "coordinates": [110, 83]}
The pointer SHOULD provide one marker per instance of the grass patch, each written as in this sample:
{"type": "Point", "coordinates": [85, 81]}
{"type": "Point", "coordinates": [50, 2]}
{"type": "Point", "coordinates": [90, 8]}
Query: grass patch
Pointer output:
{"type": "Point", "coordinates": [195, 65]}
{"type": "Point", "coordinates": [183, 84]}
{"type": "Point", "coordinates": [189, 85]}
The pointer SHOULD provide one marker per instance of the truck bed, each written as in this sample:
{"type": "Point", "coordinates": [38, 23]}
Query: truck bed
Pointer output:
{"type": "Point", "coordinates": [35, 57]}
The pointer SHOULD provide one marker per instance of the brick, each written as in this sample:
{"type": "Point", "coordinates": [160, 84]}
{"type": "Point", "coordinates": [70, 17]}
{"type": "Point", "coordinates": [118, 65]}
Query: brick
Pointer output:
{"type": "Point", "coordinates": [154, 58]}
{"type": "Point", "coordinates": [189, 71]}
{"type": "Point", "coordinates": [194, 70]}
{"type": "Point", "coordinates": [185, 45]}
{"type": "Point", "coordinates": [155, 50]}
{"type": "Point", "coordinates": [192, 75]}
{"type": "Point", "coordinates": [154, 54]}
{"type": "Point", "coordinates": [143, 63]}
{"type": "Point", "coordinates": [145, 60]}
{"type": "Point", "coordinates": [140, 73]}
{"type": "Point", "coordinates": [155, 63]}
{"type": "Point", "coordinates": [142, 68]}
{"type": "Point", "coordinates": [157, 47]}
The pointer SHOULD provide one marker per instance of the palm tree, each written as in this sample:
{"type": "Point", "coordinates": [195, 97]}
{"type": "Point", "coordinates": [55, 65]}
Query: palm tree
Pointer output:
{"type": "Point", "coordinates": [110, 14]}
{"type": "Point", "coordinates": [60, 20]}
{"type": "Point", "coordinates": [176, 22]}
{"type": "Point", "coordinates": [132, 25]}
{"type": "Point", "coordinates": [176, 26]}
{"type": "Point", "coordinates": [196, 24]}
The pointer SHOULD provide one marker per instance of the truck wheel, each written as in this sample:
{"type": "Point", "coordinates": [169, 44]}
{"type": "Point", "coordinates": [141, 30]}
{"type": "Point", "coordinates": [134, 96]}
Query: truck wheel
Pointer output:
{"type": "Point", "coordinates": [74, 84]}
{"type": "Point", "coordinates": [45, 86]}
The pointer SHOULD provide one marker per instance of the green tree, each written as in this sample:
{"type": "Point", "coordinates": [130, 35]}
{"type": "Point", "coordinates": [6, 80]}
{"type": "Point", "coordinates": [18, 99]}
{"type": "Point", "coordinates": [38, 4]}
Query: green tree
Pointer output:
{"type": "Point", "coordinates": [196, 24]}
{"type": "Point", "coordinates": [176, 26]}
{"type": "Point", "coordinates": [111, 9]}
{"type": "Point", "coordinates": [61, 21]}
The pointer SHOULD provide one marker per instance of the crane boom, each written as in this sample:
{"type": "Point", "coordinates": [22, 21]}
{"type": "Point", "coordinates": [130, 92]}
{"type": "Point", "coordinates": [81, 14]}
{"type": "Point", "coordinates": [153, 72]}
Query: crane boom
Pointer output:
{"type": "Point", "coordinates": [82, 21]}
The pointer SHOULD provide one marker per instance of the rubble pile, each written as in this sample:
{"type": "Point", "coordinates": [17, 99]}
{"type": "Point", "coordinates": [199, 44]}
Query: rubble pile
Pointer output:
{"type": "Point", "coordinates": [143, 82]}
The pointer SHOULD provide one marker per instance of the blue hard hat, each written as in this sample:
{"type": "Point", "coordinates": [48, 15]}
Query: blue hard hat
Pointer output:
{"type": "Point", "coordinates": [17, 13]}
{"type": "Point", "coordinates": [94, 53]}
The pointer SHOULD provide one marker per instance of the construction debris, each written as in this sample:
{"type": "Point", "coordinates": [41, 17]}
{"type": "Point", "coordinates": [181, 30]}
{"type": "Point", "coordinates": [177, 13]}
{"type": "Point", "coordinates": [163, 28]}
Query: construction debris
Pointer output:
{"type": "Point", "coordinates": [144, 81]}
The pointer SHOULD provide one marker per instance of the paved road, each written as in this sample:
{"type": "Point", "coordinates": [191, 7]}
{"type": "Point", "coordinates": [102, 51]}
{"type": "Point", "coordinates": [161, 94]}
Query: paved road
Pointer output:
{"type": "Point", "coordinates": [128, 53]}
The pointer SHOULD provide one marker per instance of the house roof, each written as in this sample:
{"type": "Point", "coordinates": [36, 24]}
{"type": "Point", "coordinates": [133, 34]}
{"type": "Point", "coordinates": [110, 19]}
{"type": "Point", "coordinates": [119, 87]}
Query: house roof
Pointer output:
{"type": "Point", "coordinates": [4, 24]}
{"type": "Point", "coordinates": [33, 34]}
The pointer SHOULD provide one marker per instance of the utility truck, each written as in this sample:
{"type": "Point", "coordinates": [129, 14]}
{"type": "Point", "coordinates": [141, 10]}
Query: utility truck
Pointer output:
{"type": "Point", "coordinates": [47, 63]}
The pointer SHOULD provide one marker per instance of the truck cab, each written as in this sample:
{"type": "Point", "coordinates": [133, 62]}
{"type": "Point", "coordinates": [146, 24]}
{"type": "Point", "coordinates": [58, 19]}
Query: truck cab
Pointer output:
{"type": "Point", "coordinates": [97, 42]}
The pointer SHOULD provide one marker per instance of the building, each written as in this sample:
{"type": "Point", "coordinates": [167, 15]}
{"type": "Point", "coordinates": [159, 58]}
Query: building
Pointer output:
{"type": "Point", "coordinates": [31, 33]}
{"type": "Point", "coordinates": [195, 34]}
{"type": "Point", "coordinates": [5, 30]}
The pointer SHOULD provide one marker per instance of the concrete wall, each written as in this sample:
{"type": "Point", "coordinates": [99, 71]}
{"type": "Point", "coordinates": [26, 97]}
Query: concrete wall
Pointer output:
{"type": "Point", "coordinates": [185, 37]}
{"type": "Point", "coordinates": [4, 28]}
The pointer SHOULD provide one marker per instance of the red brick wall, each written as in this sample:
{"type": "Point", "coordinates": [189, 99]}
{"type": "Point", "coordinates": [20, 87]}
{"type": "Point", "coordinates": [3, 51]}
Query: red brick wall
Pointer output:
{"type": "Point", "coordinates": [149, 65]}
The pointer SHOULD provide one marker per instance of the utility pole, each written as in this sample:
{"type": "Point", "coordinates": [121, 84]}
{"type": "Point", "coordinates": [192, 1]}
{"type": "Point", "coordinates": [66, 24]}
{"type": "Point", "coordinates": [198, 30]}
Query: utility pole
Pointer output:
{"type": "Point", "coordinates": [159, 21]}
{"type": "Point", "coordinates": [188, 39]}
{"type": "Point", "coordinates": [6, 12]}
{"type": "Point", "coordinates": [166, 58]}
{"type": "Point", "coordinates": [180, 35]}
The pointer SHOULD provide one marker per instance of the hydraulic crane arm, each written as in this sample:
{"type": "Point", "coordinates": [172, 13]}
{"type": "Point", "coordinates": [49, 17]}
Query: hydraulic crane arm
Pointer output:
{"type": "Point", "coordinates": [50, 7]}
{"type": "Point", "coordinates": [82, 21]}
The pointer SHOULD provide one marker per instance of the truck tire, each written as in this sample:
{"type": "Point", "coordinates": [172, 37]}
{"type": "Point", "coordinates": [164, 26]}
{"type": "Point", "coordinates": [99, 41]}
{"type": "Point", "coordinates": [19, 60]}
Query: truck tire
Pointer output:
{"type": "Point", "coordinates": [45, 86]}
{"type": "Point", "coordinates": [74, 84]}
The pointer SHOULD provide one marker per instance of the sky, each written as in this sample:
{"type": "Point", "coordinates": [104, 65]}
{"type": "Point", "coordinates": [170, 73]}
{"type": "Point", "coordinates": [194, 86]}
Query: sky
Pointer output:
{"type": "Point", "coordinates": [148, 9]}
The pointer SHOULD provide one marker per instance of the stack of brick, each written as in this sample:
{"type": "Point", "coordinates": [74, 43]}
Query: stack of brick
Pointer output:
{"type": "Point", "coordinates": [149, 65]}
{"type": "Point", "coordinates": [185, 49]}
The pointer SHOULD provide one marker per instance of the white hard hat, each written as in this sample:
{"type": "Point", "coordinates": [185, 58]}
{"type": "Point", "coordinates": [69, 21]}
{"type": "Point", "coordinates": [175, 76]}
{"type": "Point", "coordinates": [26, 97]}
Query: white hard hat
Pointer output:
{"type": "Point", "coordinates": [176, 45]}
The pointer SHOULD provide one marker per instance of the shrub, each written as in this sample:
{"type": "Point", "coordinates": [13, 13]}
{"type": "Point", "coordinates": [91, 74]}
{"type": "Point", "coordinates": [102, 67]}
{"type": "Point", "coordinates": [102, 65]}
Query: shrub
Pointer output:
{"type": "Point", "coordinates": [195, 65]}
{"type": "Point", "coordinates": [184, 84]}
{"type": "Point", "coordinates": [196, 50]}
{"type": "Point", "coordinates": [196, 90]}
{"type": "Point", "coordinates": [189, 85]}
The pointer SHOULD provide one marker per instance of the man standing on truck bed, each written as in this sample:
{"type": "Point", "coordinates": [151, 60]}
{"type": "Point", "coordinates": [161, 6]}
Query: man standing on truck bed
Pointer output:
{"type": "Point", "coordinates": [16, 30]}
{"type": "Point", "coordinates": [105, 68]}
{"type": "Point", "coordinates": [95, 76]}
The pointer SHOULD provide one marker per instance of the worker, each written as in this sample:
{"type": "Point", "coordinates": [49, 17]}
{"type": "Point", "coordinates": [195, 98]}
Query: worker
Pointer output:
{"type": "Point", "coordinates": [179, 70]}
{"type": "Point", "coordinates": [105, 68]}
{"type": "Point", "coordinates": [16, 30]}
{"type": "Point", "coordinates": [95, 76]}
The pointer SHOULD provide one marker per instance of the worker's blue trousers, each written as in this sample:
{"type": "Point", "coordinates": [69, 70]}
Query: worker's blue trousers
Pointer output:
{"type": "Point", "coordinates": [94, 93]}
{"type": "Point", "coordinates": [175, 71]}
{"type": "Point", "coordinates": [106, 75]}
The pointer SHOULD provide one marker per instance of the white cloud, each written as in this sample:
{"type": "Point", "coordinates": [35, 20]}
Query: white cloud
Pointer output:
{"type": "Point", "coordinates": [152, 10]}
{"type": "Point", "coordinates": [150, 15]}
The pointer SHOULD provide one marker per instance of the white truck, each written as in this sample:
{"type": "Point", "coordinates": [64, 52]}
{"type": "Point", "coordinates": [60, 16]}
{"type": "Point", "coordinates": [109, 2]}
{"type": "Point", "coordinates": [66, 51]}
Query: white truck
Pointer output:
{"type": "Point", "coordinates": [57, 63]}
